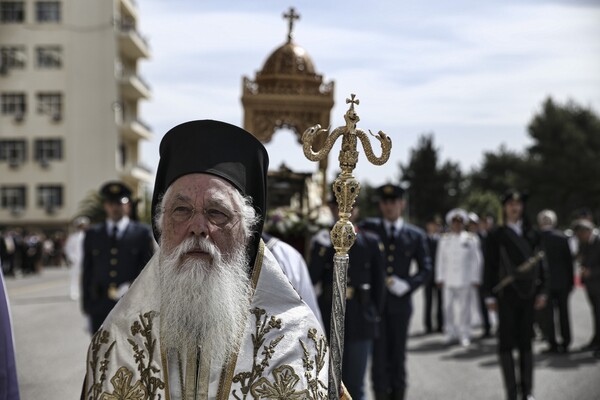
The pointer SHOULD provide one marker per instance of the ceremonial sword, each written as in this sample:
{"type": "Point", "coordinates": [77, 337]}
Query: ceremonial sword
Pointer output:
{"type": "Point", "coordinates": [524, 267]}
{"type": "Point", "coordinates": [346, 189]}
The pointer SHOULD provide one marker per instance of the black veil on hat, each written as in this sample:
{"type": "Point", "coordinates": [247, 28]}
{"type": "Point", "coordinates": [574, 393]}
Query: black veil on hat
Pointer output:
{"type": "Point", "coordinates": [220, 149]}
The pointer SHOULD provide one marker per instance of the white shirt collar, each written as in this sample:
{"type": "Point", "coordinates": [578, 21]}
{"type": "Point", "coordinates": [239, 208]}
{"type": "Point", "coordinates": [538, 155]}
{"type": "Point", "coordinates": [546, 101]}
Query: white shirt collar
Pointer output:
{"type": "Point", "coordinates": [517, 227]}
{"type": "Point", "coordinates": [398, 224]}
{"type": "Point", "coordinates": [121, 225]}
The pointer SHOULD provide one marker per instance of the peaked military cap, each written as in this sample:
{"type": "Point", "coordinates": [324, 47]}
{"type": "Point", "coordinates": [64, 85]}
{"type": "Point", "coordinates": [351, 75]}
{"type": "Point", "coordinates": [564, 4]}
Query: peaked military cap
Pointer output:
{"type": "Point", "coordinates": [457, 213]}
{"type": "Point", "coordinates": [513, 194]}
{"type": "Point", "coordinates": [115, 192]}
{"type": "Point", "coordinates": [389, 191]}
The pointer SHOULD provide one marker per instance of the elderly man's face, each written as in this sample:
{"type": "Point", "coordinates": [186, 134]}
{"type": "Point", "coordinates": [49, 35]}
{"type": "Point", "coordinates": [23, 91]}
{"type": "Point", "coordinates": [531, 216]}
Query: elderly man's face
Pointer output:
{"type": "Point", "coordinates": [201, 205]}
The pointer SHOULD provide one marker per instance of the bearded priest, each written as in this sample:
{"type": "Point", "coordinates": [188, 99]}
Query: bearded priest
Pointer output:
{"type": "Point", "coordinates": [211, 316]}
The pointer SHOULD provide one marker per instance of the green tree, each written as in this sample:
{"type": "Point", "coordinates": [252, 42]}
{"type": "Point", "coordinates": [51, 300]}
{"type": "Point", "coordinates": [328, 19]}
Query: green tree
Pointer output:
{"type": "Point", "coordinates": [433, 189]}
{"type": "Point", "coordinates": [564, 161]}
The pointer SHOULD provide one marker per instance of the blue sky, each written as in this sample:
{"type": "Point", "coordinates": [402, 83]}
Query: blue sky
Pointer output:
{"type": "Point", "coordinates": [472, 73]}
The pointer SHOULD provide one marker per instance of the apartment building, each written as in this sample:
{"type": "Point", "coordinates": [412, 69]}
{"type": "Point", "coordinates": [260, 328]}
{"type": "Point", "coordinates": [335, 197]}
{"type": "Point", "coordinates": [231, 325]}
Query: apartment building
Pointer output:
{"type": "Point", "coordinates": [69, 95]}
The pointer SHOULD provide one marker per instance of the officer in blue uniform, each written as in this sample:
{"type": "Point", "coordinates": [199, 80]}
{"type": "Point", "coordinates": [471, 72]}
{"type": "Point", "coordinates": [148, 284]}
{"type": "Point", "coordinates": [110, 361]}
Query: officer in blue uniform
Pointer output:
{"type": "Point", "coordinates": [403, 243]}
{"type": "Point", "coordinates": [364, 298]}
{"type": "Point", "coordinates": [115, 252]}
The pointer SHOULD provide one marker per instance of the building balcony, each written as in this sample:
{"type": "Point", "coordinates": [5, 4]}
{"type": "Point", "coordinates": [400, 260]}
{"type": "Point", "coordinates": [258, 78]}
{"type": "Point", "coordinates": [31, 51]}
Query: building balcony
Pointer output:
{"type": "Point", "coordinates": [131, 42]}
{"type": "Point", "coordinates": [129, 8]}
{"type": "Point", "coordinates": [134, 87]}
{"type": "Point", "coordinates": [136, 172]}
{"type": "Point", "coordinates": [133, 129]}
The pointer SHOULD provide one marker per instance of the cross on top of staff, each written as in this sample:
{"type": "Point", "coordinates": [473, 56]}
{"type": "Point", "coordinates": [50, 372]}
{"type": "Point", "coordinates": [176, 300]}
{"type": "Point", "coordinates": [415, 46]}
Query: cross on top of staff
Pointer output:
{"type": "Point", "coordinates": [352, 100]}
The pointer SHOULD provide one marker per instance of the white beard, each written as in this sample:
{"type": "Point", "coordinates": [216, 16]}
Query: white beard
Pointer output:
{"type": "Point", "coordinates": [204, 303]}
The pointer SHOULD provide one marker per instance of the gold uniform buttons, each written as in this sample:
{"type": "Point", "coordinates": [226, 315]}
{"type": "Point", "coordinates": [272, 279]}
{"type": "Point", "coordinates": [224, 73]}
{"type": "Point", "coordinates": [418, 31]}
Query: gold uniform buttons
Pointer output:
{"type": "Point", "coordinates": [112, 274]}
{"type": "Point", "coordinates": [390, 269]}
{"type": "Point", "coordinates": [392, 247]}
{"type": "Point", "coordinates": [390, 258]}
{"type": "Point", "coordinates": [113, 261]}
{"type": "Point", "coordinates": [114, 251]}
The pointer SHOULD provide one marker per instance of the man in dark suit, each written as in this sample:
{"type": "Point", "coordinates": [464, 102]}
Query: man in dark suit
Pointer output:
{"type": "Point", "coordinates": [364, 297]}
{"type": "Point", "coordinates": [507, 248]}
{"type": "Point", "coordinates": [404, 243]}
{"type": "Point", "coordinates": [559, 266]}
{"type": "Point", "coordinates": [589, 262]}
{"type": "Point", "coordinates": [431, 292]}
{"type": "Point", "coordinates": [115, 252]}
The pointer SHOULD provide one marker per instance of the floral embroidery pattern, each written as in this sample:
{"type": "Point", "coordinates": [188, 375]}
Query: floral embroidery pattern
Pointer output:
{"type": "Point", "coordinates": [263, 325]}
{"type": "Point", "coordinates": [100, 338]}
{"type": "Point", "coordinates": [314, 365]}
{"type": "Point", "coordinates": [150, 375]}
{"type": "Point", "coordinates": [282, 388]}
{"type": "Point", "coordinates": [285, 380]}
{"type": "Point", "coordinates": [143, 327]}
{"type": "Point", "coordinates": [123, 389]}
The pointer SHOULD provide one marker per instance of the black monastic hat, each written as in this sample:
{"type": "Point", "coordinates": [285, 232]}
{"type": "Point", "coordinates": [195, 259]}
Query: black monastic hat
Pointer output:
{"type": "Point", "coordinates": [115, 192]}
{"type": "Point", "coordinates": [220, 149]}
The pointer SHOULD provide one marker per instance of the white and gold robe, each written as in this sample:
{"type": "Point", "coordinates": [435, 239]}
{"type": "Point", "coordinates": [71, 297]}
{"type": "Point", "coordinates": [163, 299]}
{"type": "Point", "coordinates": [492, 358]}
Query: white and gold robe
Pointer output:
{"type": "Point", "coordinates": [283, 351]}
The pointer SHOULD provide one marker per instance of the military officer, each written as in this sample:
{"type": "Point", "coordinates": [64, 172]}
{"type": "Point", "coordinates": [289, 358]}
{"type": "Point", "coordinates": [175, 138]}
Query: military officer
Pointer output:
{"type": "Point", "coordinates": [115, 252]}
{"type": "Point", "coordinates": [404, 243]}
{"type": "Point", "coordinates": [508, 247]}
{"type": "Point", "coordinates": [364, 298]}
{"type": "Point", "coordinates": [458, 269]}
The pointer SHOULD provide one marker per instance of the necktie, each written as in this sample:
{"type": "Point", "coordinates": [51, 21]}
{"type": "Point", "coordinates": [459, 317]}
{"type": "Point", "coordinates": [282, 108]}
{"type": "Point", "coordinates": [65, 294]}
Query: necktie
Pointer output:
{"type": "Point", "coordinates": [392, 233]}
{"type": "Point", "coordinates": [113, 236]}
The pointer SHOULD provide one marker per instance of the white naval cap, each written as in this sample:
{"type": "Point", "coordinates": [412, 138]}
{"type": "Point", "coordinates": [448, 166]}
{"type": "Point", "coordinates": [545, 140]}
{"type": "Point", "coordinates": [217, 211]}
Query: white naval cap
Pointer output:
{"type": "Point", "coordinates": [457, 212]}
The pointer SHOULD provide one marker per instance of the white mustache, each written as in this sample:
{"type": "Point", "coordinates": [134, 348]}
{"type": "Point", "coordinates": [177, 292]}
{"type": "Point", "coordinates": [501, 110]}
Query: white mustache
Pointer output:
{"type": "Point", "coordinates": [196, 244]}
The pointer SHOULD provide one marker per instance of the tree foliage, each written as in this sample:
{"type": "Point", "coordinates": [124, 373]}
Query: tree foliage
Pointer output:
{"type": "Point", "coordinates": [433, 189]}
{"type": "Point", "coordinates": [559, 170]}
{"type": "Point", "coordinates": [564, 161]}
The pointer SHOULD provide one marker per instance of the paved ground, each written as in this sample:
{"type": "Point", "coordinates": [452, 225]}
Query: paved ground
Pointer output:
{"type": "Point", "coordinates": [51, 344]}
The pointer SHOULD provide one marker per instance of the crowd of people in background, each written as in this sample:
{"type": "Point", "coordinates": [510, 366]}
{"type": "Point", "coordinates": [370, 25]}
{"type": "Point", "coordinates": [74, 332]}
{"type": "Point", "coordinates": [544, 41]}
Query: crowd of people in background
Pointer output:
{"type": "Point", "coordinates": [452, 257]}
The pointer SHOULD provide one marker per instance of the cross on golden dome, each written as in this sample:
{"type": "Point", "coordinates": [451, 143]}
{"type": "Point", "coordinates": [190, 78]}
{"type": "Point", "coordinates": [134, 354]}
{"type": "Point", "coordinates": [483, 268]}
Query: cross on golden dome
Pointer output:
{"type": "Point", "coordinates": [291, 16]}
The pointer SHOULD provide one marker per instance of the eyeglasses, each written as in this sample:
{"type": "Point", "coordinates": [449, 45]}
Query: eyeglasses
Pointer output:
{"type": "Point", "coordinates": [218, 216]}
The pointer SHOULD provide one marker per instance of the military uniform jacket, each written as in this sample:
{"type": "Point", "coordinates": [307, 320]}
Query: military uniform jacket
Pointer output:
{"type": "Point", "coordinates": [105, 267]}
{"type": "Point", "coordinates": [459, 260]}
{"type": "Point", "coordinates": [409, 244]}
{"type": "Point", "coordinates": [589, 256]}
{"type": "Point", "coordinates": [558, 260]}
{"type": "Point", "coordinates": [366, 285]}
{"type": "Point", "coordinates": [505, 252]}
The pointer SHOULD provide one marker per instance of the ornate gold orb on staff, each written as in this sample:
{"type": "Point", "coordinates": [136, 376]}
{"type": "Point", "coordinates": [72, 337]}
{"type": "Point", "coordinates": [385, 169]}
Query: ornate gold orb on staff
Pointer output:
{"type": "Point", "coordinates": [346, 189]}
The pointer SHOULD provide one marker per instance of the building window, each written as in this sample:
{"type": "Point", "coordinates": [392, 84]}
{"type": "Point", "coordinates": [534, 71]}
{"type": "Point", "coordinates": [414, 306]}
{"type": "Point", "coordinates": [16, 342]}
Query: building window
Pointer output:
{"type": "Point", "coordinates": [47, 11]}
{"type": "Point", "coordinates": [12, 11]}
{"type": "Point", "coordinates": [49, 57]}
{"type": "Point", "coordinates": [13, 151]}
{"type": "Point", "coordinates": [49, 197]}
{"type": "Point", "coordinates": [48, 149]}
{"type": "Point", "coordinates": [13, 104]}
{"type": "Point", "coordinates": [11, 57]}
{"type": "Point", "coordinates": [12, 197]}
{"type": "Point", "coordinates": [50, 104]}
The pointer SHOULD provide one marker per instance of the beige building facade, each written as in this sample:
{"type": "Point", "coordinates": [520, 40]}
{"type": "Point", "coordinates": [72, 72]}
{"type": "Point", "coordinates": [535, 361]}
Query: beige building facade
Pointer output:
{"type": "Point", "coordinates": [69, 94]}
